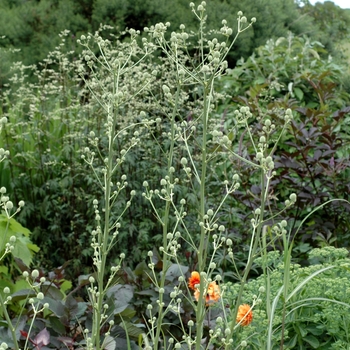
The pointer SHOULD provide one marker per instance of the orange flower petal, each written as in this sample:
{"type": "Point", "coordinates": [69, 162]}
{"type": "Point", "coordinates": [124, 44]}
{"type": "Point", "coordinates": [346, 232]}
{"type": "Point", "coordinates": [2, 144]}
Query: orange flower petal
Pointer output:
{"type": "Point", "coordinates": [244, 315]}
{"type": "Point", "coordinates": [193, 280]}
{"type": "Point", "coordinates": [212, 294]}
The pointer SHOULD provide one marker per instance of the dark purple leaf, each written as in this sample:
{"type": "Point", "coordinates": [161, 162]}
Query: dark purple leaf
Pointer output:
{"type": "Point", "coordinates": [42, 338]}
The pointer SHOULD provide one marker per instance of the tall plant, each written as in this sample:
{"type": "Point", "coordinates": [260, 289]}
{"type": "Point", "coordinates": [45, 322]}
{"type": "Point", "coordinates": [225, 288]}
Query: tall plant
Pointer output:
{"type": "Point", "coordinates": [163, 89]}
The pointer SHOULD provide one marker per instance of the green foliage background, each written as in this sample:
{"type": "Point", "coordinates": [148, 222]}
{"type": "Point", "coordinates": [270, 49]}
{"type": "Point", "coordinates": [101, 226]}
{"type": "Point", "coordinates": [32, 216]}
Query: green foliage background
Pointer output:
{"type": "Point", "coordinates": [285, 62]}
{"type": "Point", "coordinates": [33, 26]}
{"type": "Point", "coordinates": [51, 114]}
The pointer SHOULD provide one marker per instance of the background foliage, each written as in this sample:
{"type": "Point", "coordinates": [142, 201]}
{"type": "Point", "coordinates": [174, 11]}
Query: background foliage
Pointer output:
{"type": "Point", "coordinates": [51, 114]}
{"type": "Point", "coordinates": [32, 26]}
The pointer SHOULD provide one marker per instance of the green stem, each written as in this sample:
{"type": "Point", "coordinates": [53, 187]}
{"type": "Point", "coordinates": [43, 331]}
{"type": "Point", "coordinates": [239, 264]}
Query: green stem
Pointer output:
{"type": "Point", "coordinates": [202, 250]}
{"type": "Point", "coordinates": [165, 221]}
{"type": "Point", "coordinates": [264, 187]}
{"type": "Point", "coordinates": [10, 325]}
{"type": "Point", "coordinates": [103, 241]}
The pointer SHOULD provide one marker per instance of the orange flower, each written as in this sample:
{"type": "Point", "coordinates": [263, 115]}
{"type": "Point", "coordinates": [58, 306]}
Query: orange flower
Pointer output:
{"type": "Point", "coordinates": [244, 315]}
{"type": "Point", "coordinates": [193, 280]}
{"type": "Point", "coordinates": [212, 294]}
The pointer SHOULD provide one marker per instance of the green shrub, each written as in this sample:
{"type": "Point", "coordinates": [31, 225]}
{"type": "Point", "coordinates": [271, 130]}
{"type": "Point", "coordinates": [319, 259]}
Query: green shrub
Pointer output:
{"type": "Point", "coordinates": [312, 158]}
{"type": "Point", "coordinates": [316, 317]}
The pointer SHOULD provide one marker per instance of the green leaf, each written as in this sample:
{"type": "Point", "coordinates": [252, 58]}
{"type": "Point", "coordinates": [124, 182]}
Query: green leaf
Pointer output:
{"type": "Point", "coordinates": [53, 292]}
{"type": "Point", "coordinates": [4, 270]}
{"type": "Point", "coordinates": [298, 93]}
{"type": "Point", "coordinates": [71, 307]}
{"type": "Point", "coordinates": [132, 330]}
{"type": "Point", "coordinates": [128, 313]}
{"type": "Point", "coordinates": [303, 331]}
{"type": "Point", "coordinates": [55, 306]}
{"type": "Point", "coordinates": [292, 342]}
{"type": "Point", "coordinates": [121, 295]}
{"type": "Point", "coordinates": [315, 330]}
{"type": "Point", "coordinates": [109, 343]}
{"type": "Point", "coordinates": [175, 271]}
{"type": "Point", "coordinates": [313, 341]}
{"type": "Point", "coordinates": [18, 228]}
{"type": "Point", "coordinates": [23, 294]}
{"type": "Point", "coordinates": [57, 325]}
{"type": "Point", "coordinates": [66, 285]}
{"type": "Point", "coordinates": [23, 247]}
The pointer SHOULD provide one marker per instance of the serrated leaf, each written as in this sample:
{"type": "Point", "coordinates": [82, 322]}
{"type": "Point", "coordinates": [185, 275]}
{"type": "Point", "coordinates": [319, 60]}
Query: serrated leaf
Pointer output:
{"type": "Point", "coordinates": [15, 226]}
{"type": "Point", "coordinates": [20, 284]}
{"type": "Point", "coordinates": [23, 247]}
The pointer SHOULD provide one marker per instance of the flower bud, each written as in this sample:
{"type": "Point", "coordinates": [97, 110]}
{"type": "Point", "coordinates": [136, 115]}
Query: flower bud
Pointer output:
{"type": "Point", "coordinates": [9, 205]}
{"type": "Point", "coordinates": [166, 90]}
{"type": "Point", "coordinates": [35, 273]}
{"type": "Point", "coordinates": [293, 197]}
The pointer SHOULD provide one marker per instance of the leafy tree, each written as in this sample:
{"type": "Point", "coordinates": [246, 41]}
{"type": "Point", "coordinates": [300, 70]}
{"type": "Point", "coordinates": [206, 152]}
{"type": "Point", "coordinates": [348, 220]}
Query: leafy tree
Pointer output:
{"type": "Point", "coordinates": [331, 23]}
{"type": "Point", "coordinates": [34, 26]}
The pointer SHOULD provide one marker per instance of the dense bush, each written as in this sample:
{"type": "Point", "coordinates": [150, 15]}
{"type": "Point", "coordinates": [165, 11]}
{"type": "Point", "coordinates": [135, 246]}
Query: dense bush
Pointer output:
{"type": "Point", "coordinates": [312, 158]}
{"type": "Point", "coordinates": [316, 311]}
